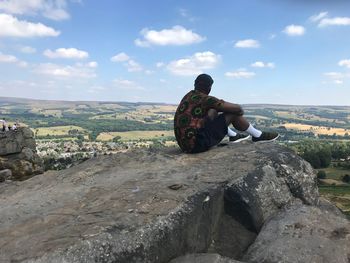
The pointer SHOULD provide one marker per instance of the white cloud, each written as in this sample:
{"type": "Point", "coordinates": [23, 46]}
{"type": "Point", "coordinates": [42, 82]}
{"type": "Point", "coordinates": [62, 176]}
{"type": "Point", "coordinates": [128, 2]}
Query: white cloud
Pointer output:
{"type": "Point", "coordinates": [183, 12]}
{"type": "Point", "coordinates": [130, 64]}
{"type": "Point", "coordinates": [141, 43]}
{"type": "Point", "coordinates": [324, 20]}
{"type": "Point", "coordinates": [92, 64]}
{"type": "Point", "coordinates": [27, 49]}
{"type": "Point", "coordinates": [7, 58]}
{"type": "Point", "coordinates": [260, 64]}
{"type": "Point", "coordinates": [240, 74]}
{"type": "Point", "coordinates": [335, 75]}
{"type": "Point", "coordinates": [318, 17]}
{"type": "Point", "coordinates": [195, 64]}
{"type": "Point", "coordinates": [133, 66]}
{"type": "Point", "coordinates": [65, 71]}
{"type": "Point", "coordinates": [160, 64]}
{"type": "Point", "coordinates": [121, 57]}
{"type": "Point", "coordinates": [294, 30]}
{"type": "Point", "coordinates": [66, 53]}
{"type": "Point", "coordinates": [176, 36]}
{"type": "Point", "coordinates": [127, 84]}
{"type": "Point", "coordinates": [186, 14]}
{"type": "Point", "coordinates": [247, 43]}
{"type": "Point", "coordinates": [344, 63]}
{"type": "Point", "coordinates": [13, 60]}
{"type": "Point", "coordinates": [22, 64]}
{"type": "Point", "coordinates": [336, 21]}
{"type": "Point", "coordinates": [56, 14]}
{"type": "Point", "coordinates": [10, 26]}
{"type": "Point", "coordinates": [52, 9]}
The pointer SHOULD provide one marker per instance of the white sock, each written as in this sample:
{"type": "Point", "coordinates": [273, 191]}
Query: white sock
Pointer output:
{"type": "Point", "coordinates": [230, 132]}
{"type": "Point", "coordinates": [253, 132]}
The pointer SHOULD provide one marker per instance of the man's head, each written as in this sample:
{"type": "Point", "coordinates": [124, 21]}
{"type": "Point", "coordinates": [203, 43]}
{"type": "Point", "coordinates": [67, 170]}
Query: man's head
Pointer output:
{"type": "Point", "coordinates": [203, 83]}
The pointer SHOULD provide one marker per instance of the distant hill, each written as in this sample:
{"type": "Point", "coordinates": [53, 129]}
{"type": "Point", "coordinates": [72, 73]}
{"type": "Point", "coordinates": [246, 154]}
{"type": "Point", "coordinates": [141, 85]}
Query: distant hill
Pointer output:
{"type": "Point", "coordinates": [12, 100]}
{"type": "Point", "coordinates": [64, 103]}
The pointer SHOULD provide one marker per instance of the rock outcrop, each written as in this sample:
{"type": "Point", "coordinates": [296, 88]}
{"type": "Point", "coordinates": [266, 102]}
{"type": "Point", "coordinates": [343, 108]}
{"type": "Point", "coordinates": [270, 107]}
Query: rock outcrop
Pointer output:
{"type": "Point", "coordinates": [18, 154]}
{"type": "Point", "coordinates": [301, 233]}
{"type": "Point", "coordinates": [5, 175]}
{"type": "Point", "coordinates": [203, 258]}
{"type": "Point", "coordinates": [159, 205]}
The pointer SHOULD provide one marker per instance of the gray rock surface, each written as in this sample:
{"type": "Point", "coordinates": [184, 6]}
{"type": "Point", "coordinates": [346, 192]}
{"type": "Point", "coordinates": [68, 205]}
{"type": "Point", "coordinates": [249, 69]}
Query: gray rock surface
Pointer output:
{"type": "Point", "coordinates": [231, 238]}
{"type": "Point", "coordinates": [5, 174]}
{"type": "Point", "coordinates": [120, 208]}
{"type": "Point", "coordinates": [302, 234]}
{"type": "Point", "coordinates": [14, 141]}
{"type": "Point", "coordinates": [279, 178]}
{"type": "Point", "coordinates": [204, 258]}
{"type": "Point", "coordinates": [18, 154]}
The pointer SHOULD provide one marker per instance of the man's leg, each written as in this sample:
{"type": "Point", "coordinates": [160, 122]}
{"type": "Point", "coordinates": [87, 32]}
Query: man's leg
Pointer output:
{"type": "Point", "coordinates": [231, 133]}
{"type": "Point", "coordinates": [241, 124]}
{"type": "Point", "coordinates": [212, 114]}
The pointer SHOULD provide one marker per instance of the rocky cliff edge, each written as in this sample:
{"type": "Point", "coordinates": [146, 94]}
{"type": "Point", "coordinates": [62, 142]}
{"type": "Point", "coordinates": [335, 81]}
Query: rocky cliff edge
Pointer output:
{"type": "Point", "coordinates": [18, 158]}
{"type": "Point", "coordinates": [239, 203]}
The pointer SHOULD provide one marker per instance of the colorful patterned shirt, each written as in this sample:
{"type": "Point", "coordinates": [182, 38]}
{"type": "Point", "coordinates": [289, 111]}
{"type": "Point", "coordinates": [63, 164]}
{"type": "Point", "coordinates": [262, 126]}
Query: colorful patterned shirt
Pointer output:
{"type": "Point", "coordinates": [190, 116]}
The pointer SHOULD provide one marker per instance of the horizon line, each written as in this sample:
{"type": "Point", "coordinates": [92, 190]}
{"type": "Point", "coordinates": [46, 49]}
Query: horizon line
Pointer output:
{"type": "Point", "coordinates": [153, 102]}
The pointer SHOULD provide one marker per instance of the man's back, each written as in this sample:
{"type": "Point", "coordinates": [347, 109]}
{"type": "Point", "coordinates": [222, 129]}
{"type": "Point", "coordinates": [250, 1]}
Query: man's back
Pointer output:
{"type": "Point", "coordinates": [190, 116]}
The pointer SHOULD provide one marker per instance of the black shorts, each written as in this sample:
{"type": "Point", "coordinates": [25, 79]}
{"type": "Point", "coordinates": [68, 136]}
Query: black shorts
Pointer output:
{"type": "Point", "coordinates": [211, 134]}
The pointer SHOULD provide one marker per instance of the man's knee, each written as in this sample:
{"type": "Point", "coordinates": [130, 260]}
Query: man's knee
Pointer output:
{"type": "Point", "coordinates": [232, 118]}
{"type": "Point", "coordinates": [240, 111]}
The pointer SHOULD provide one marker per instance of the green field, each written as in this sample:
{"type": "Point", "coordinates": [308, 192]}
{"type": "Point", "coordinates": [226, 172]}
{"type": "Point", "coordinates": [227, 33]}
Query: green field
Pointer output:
{"type": "Point", "coordinates": [334, 189]}
{"type": "Point", "coordinates": [339, 195]}
{"type": "Point", "coordinates": [57, 130]}
{"type": "Point", "coordinates": [134, 135]}
{"type": "Point", "coordinates": [335, 172]}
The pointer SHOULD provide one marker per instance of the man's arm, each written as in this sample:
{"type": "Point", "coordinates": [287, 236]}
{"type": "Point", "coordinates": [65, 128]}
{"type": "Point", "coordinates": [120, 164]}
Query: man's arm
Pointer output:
{"type": "Point", "coordinates": [230, 108]}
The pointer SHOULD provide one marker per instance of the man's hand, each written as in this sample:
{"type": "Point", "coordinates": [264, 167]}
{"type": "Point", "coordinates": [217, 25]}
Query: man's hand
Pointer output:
{"type": "Point", "coordinates": [231, 108]}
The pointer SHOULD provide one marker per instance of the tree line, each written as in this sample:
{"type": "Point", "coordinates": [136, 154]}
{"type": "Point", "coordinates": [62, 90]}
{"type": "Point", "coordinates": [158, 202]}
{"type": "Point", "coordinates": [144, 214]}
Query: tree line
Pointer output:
{"type": "Point", "coordinates": [320, 153]}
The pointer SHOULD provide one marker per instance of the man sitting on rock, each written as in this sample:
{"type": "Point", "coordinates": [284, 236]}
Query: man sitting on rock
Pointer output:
{"type": "Point", "coordinates": [202, 121]}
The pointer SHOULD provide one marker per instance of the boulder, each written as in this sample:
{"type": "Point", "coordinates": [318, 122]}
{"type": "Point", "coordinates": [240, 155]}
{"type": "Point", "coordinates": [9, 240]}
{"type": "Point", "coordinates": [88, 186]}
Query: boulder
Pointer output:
{"type": "Point", "coordinates": [151, 205]}
{"type": "Point", "coordinates": [18, 154]}
{"type": "Point", "coordinates": [21, 168]}
{"type": "Point", "coordinates": [302, 233]}
{"type": "Point", "coordinates": [14, 141]}
{"type": "Point", "coordinates": [278, 179]}
{"type": "Point", "coordinates": [5, 174]}
{"type": "Point", "coordinates": [231, 238]}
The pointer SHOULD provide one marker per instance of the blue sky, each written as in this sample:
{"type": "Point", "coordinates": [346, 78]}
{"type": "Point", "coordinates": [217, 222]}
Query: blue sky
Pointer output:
{"type": "Point", "coordinates": [271, 51]}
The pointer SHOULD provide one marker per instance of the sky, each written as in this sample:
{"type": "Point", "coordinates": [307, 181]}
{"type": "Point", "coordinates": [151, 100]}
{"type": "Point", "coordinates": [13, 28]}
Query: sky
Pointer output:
{"type": "Point", "coordinates": [257, 51]}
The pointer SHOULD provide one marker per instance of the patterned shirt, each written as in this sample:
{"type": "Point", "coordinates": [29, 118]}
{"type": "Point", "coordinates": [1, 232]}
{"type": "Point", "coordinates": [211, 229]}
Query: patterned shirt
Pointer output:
{"type": "Point", "coordinates": [190, 116]}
